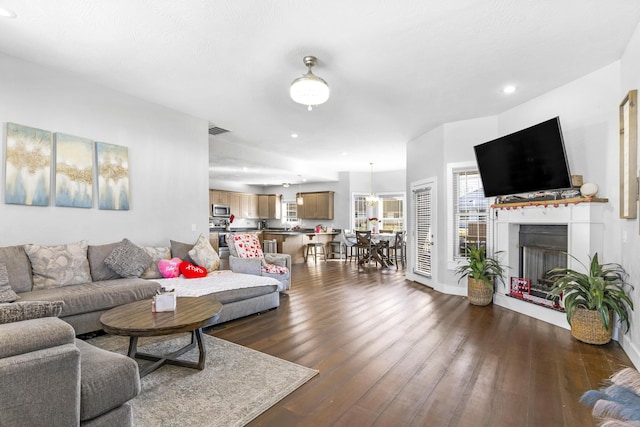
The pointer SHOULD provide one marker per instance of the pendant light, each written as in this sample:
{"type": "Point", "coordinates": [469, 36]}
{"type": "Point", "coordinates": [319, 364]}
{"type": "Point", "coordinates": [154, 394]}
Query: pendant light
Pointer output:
{"type": "Point", "coordinates": [309, 89]}
{"type": "Point", "coordinates": [371, 199]}
{"type": "Point", "coordinates": [299, 198]}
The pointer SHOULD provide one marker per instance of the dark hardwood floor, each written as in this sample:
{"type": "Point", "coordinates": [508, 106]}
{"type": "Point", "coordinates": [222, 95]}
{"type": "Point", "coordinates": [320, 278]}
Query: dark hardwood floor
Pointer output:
{"type": "Point", "coordinates": [392, 352]}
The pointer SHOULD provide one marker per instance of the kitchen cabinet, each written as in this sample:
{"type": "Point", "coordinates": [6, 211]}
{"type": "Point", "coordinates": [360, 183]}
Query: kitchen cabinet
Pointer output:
{"type": "Point", "coordinates": [234, 203]}
{"type": "Point", "coordinates": [218, 197]}
{"type": "Point", "coordinates": [249, 205]}
{"type": "Point", "coordinates": [318, 205]}
{"type": "Point", "coordinates": [269, 206]}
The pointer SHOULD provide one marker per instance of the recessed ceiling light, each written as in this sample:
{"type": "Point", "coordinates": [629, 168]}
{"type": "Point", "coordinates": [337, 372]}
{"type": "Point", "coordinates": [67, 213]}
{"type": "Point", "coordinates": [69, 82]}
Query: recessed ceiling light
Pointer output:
{"type": "Point", "coordinates": [294, 135]}
{"type": "Point", "coordinates": [344, 153]}
{"type": "Point", "coordinates": [509, 89]}
{"type": "Point", "coordinates": [7, 13]}
{"type": "Point", "coordinates": [244, 168]}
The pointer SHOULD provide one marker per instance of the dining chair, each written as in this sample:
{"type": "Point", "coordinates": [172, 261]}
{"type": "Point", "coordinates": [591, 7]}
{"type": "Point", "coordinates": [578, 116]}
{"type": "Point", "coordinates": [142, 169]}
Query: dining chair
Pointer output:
{"type": "Point", "coordinates": [363, 246]}
{"type": "Point", "coordinates": [397, 251]}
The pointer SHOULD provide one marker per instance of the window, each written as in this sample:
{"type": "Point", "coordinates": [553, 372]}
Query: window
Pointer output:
{"type": "Point", "coordinates": [290, 210]}
{"type": "Point", "coordinates": [469, 211]}
{"type": "Point", "coordinates": [389, 210]}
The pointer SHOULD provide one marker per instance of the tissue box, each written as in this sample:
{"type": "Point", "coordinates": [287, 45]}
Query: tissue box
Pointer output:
{"type": "Point", "coordinates": [164, 302]}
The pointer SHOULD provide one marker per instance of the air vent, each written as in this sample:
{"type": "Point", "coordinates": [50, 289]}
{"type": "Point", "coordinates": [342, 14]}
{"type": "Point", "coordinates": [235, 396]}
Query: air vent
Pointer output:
{"type": "Point", "coordinates": [217, 131]}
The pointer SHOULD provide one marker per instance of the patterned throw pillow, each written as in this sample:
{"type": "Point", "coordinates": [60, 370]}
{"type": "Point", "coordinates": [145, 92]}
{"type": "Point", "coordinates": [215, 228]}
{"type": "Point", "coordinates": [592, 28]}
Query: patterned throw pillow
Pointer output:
{"type": "Point", "coordinates": [18, 311]}
{"type": "Point", "coordinates": [247, 245]}
{"type": "Point", "coordinates": [156, 254]}
{"type": "Point", "coordinates": [273, 268]}
{"type": "Point", "coordinates": [62, 265]}
{"type": "Point", "coordinates": [6, 293]}
{"type": "Point", "coordinates": [204, 255]}
{"type": "Point", "coordinates": [128, 259]}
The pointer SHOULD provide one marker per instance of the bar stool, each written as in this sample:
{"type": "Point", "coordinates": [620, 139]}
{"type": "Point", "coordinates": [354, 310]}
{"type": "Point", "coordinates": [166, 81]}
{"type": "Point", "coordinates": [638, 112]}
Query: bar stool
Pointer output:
{"type": "Point", "coordinates": [341, 250]}
{"type": "Point", "coordinates": [316, 249]}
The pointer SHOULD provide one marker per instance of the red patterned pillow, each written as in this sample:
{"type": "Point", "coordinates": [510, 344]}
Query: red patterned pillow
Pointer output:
{"type": "Point", "coordinates": [273, 268]}
{"type": "Point", "coordinates": [247, 245]}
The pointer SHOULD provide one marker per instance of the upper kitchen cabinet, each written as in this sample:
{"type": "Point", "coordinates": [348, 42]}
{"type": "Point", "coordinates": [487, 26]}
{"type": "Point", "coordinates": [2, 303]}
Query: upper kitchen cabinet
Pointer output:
{"type": "Point", "coordinates": [318, 205]}
{"type": "Point", "coordinates": [269, 206]}
{"type": "Point", "coordinates": [235, 205]}
{"type": "Point", "coordinates": [218, 197]}
{"type": "Point", "coordinates": [249, 206]}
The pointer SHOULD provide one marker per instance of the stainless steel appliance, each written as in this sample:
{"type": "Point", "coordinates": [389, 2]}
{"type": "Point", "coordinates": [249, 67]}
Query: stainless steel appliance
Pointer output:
{"type": "Point", "coordinates": [223, 246]}
{"type": "Point", "coordinates": [220, 211]}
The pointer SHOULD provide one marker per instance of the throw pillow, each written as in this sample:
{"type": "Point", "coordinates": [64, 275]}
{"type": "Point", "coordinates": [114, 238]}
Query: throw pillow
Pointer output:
{"type": "Point", "coordinates": [204, 255]}
{"type": "Point", "coordinates": [247, 245]}
{"type": "Point", "coordinates": [169, 268]}
{"type": "Point", "coordinates": [6, 293]}
{"type": "Point", "coordinates": [181, 250]}
{"type": "Point", "coordinates": [191, 271]}
{"type": "Point", "coordinates": [156, 254]}
{"type": "Point", "coordinates": [128, 259]}
{"type": "Point", "coordinates": [18, 267]}
{"type": "Point", "coordinates": [62, 265]}
{"type": "Point", "coordinates": [97, 255]}
{"type": "Point", "coordinates": [273, 268]}
{"type": "Point", "coordinates": [18, 311]}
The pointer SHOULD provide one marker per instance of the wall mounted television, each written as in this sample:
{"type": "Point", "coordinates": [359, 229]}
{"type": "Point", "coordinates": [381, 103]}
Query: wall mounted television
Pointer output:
{"type": "Point", "coordinates": [530, 160]}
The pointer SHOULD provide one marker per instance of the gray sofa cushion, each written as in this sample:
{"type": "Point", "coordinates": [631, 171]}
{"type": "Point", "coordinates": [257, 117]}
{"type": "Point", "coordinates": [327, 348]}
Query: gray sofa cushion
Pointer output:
{"type": "Point", "coordinates": [107, 380]}
{"type": "Point", "coordinates": [95, 296]}
{"type": "Point", "coordinates": [27, 310]}
{"type": "Point", "coordinates": [128, 259]}
{"type": "Point", "coordinates": [6, 293]}
{"type": "Point", "coordinates": [18, 267]}
{"type": "Point", "coordinates": [233, 295]}
{"type": "Point", "coordinates": [100, 270]}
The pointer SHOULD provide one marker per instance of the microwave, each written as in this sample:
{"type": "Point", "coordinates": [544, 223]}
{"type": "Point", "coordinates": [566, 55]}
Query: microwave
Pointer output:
{"type": "Point", "coordinates": [221, 211]}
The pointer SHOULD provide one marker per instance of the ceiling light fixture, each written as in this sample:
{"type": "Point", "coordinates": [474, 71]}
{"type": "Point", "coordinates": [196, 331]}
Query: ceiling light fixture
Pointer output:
{"type": "Point", "coordinates": [294, 135]}
{"type": "Point", "coordinates": [7, 13]}
{"type": "Point", "coordinates": [371, 199]}
{"type": "Point", "coordinates": [309, 89]}
{"type": "Point", "coordinates": [509, 89]}
{"type": "Point", "coordinates": [299, 198]}
{"type": "Point", "coordinates": [285, 184]}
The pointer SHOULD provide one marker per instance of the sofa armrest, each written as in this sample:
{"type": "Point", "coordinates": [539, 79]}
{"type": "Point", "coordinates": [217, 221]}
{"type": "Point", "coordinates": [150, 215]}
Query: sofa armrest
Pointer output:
{"type": "Point", "coordinates": [35, 334]}
{"type": "Point", "coordinates": [283, 260]}
{"type": "Point", "coordinates": [40, 373]}
{"type": "Point", "coordinates": [245, 265]}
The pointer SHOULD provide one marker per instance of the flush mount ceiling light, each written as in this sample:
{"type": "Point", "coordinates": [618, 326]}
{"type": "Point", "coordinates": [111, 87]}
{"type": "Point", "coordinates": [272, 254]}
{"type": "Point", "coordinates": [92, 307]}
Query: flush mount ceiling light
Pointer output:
{"type": "Point", "coordinates": [7, 13]}
{"type": "Point", "coordinates": [285, 184]}
{"type": "Point", "coordinates": [309, 89]}
{"type": "Point", "coordinates": [509, 89]}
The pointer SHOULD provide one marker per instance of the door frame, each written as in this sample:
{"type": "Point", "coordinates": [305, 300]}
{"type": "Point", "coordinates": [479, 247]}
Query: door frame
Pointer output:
{"type": "Point", "coordinates": [431, 182]}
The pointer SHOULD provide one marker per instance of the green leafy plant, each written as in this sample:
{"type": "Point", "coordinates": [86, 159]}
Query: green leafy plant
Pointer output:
{"type": "Point", "coordinates": [602, 288]}
{"type": "Point", "coordinates": [479, 266]}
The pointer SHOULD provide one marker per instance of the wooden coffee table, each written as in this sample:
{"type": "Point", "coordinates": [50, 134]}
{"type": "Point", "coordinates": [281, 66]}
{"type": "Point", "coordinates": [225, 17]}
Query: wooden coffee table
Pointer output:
{"type": "Point", "coordinates": [137, 320]}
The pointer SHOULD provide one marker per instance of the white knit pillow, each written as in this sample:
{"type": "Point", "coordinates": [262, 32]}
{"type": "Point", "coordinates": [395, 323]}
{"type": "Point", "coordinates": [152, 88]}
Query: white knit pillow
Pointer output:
{"type": "Point", "coordinates": [204, 255]}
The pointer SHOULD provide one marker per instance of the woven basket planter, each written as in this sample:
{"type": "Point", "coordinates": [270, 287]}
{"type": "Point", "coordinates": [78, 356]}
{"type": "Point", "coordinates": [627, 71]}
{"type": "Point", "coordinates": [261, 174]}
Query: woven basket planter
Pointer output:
{"type": "Point", "coordinates": [478, 292]}
{"type": "Point", "coordinates": [586, 326]}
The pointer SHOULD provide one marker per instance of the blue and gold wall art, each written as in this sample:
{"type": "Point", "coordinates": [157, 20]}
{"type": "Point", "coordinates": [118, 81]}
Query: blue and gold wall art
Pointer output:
{"type": "Point", "coordinates": [113, 176]}
{"type": "Point", "coordinates": [74, 171]}
{"type": "Point", "coordinates": [28, 165]}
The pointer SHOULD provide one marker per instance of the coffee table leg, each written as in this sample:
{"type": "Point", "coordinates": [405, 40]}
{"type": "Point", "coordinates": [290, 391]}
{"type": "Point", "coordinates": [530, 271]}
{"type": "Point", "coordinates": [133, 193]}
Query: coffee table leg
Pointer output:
{"type": "Point", "coordinates": [171, 358]}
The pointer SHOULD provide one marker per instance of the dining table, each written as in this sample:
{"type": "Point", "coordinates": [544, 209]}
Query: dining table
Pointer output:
{"type": "Point", "coordinates": [380, 242]}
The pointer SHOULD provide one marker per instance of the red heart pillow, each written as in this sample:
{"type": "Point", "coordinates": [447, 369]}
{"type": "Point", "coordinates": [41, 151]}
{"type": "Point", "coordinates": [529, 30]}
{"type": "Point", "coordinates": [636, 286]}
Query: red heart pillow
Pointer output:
{"type": "Point", "coordinates": [191, 271]}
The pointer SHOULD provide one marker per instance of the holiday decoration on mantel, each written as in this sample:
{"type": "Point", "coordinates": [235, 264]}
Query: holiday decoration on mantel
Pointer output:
{"type": "Point", "coordinates": [547, 203]}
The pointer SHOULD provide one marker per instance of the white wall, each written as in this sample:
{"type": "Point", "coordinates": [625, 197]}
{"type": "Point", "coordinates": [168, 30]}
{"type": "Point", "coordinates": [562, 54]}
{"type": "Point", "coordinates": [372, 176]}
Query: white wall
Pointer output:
{"type": "Point", "coordinates": [588, 110]}
{"type": "Point", "coordinates": [168, 156]}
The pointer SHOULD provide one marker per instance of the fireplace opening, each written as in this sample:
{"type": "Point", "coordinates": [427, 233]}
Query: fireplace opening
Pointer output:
{"type": "Point", "coordinates": [542, 247]}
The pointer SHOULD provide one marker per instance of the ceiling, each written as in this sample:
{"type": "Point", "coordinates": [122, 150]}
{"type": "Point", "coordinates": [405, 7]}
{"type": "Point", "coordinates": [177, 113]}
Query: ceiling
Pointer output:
{"type": "Point", "coordinates": [396, 69]}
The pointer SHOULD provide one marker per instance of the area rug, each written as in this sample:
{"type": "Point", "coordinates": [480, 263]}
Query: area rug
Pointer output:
{"type": "Point", "coordinates": [236, 386]}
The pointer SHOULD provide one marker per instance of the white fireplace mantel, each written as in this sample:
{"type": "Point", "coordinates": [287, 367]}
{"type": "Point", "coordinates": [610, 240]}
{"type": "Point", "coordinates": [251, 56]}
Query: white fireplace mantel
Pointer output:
{"type": "Point", "coordinates": [585, 233]}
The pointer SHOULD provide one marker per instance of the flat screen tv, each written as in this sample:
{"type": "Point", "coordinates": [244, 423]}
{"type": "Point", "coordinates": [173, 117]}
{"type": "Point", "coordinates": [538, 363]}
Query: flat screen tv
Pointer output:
{"type": "Point", "coordinates": [530, 160]}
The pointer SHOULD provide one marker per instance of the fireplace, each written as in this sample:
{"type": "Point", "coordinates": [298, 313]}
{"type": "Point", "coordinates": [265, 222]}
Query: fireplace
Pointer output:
{"type": "Point", "coordinates": [535, 237]}
{"type": "Point", "coordinates": [542, 247]}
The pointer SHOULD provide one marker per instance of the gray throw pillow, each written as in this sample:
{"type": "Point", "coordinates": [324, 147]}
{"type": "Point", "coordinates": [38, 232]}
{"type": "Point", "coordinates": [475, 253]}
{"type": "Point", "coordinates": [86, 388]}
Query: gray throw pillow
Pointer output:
{"type": "Point", "coordinates": [62, 265]}
{"type": "Point", "coordinates": [99, 270]}
{"type": "Point", "coordinates": [6, 293]}
{"type": "Point", "coordinates": [128, 259]}
{"type": "Point", "coordinates": [18, 267]}
{"type": "Point", "coordinates": [181, 250]}
{"type": "Point", "coordinates": [19, 311]}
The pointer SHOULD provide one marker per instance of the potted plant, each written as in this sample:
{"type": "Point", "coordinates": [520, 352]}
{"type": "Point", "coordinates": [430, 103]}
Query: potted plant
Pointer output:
{"type": "Point", "coordinates": [480, 271]}
{"type": "Point", "coordinates": [592, 297]}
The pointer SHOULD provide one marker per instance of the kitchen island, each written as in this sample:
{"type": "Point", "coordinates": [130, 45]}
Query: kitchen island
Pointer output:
{"type": "Point", "coordinates": [294, 242]}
